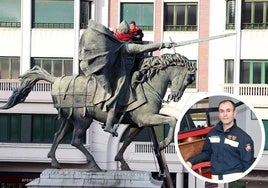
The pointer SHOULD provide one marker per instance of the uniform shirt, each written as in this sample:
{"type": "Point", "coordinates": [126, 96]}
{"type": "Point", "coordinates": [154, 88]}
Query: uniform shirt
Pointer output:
{"type": "Point", "coordinates": [135, 32]}
{"type": "Point", "coordinates": [229, 152]}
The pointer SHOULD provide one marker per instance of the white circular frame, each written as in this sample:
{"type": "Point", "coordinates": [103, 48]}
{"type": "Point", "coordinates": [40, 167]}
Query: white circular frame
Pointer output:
{"type": "Point", "coordinates": [202, 96]}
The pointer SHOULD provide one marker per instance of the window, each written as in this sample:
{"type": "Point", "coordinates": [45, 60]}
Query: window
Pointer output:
{"type": "Point", "coordinates": [55, 66]}
{"type": "Point", "coordinates": [180, 17]}
{"type": "Point", "coordinates": [53, 14]}
{"type": "Point", "coordinates": [9, 67]}
{"type": "Point", "coordinates": [229, 71]}
{"type": "Point", "coordinates": [141, 13]}
{"type": "Point", "coordinates": [85, 13]}
{"type": "Point", "coordinates": [254, 71]}
{"type": "Point", "coordinates": [28, 128]}
{"type": "Point", "coordinates": [10, 13]}
{"type": "Point", "coordinates": [230, 14]}
{"type": "Point", "coordinates": [265, 123]}
{"type": "Point", "coordinates": [254, 14]}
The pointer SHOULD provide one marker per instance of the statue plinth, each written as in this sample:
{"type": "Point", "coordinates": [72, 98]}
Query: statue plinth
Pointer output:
{"type": "Point", "coordinates": [83, 178]}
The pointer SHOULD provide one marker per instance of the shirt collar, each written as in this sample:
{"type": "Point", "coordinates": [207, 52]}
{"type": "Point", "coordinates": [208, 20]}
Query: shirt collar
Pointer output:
{"type": "Point", "coordinates": [219, 126]}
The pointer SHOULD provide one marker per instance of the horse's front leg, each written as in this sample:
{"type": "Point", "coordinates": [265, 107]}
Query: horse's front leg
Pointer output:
{"type": "Point", "coordinates": [120, 155]}
{"type": "Point", "coordinates": [156, 120]}
{"type": "Point", "coordinates": [163, 144]}
{"type": "Point", "coordinates": [65, 128]}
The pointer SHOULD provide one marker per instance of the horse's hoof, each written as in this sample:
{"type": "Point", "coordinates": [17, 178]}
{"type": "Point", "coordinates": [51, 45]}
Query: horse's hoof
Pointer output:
{"type": "Point", "coordinates": [95, 168]}
{"type": "Point", "coordinates": [57, 165]}
{"type": "Point", "coordinates": [115, 134]}
{"type": "Point", "coordinates": [162, 146]}
{"type": "Point", "coordinates": [54, 162]}
{"type": "Point", "coordinates": [111, 130]}
{"type": "Point", "coordinates": [102, 125]}
{"type": "Point", "coordinates": [117, 158]}
{"type": "Point", "coordinates": [125, 167]}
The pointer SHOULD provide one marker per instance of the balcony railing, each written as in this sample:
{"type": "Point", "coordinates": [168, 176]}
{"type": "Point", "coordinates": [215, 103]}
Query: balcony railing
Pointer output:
{"type": "Point", "coordinates": [10, 85]}
{"type": "Point", "coordinates": [29, 152]}
{"type": "Point", "coordinates": [247, 89]}
{"type": "Point", "coordinates": [255, 93]}
{"type": "Point", "coordinates": [254, 25]}
{"type": "Point", "coordinates": [10, 24]}
{"type": "Point", "coordinates": [53, 25]}
{"type": "Point", "coordinates": [180, 27]}
{"type": "Point", "coordinates": [40, 92]}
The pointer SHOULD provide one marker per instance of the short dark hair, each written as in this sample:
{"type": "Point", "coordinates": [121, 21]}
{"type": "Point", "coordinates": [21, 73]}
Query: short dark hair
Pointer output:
{"type": "Point", "coordinates": [132, 22]}
{"type": "Point", "coordinates": [227, 100]}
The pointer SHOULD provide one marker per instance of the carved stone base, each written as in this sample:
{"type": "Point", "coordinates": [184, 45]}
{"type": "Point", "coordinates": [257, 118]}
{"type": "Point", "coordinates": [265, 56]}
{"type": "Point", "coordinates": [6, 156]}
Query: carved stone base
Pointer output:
{"type": "Point", "coordinates": [83, 178]}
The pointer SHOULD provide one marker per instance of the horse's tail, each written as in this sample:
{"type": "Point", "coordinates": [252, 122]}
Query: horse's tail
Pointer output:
{"type": "Point", "coordinates": [27, 82]}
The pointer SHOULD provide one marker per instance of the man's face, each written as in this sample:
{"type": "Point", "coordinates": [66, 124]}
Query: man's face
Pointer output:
{"type": "Point", "coordinates": [227, 113]}
{"type": "Point", "coordinates": [131, 26]}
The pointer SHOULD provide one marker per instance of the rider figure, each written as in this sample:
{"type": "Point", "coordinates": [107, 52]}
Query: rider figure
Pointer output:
{"type": "Point", "coordinates": [111, 61]}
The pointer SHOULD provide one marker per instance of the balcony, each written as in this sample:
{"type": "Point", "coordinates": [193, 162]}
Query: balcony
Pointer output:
{"type": "Point", "coordinates": [40, 93]}
{"type": "Point", "coordinates": [256, 94]}
{"type": "Point", "coordinates": [33, 152]}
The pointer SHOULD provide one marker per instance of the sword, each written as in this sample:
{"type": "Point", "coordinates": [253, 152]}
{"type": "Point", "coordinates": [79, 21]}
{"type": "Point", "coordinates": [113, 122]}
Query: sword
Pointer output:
{"type": "Point", "coordinates": [183, 43]}
{"type": "Point", "coordinates": [173, 47]}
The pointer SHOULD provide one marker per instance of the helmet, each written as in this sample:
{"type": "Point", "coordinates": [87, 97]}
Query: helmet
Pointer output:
{"type": "Point", "coordinates": [123, 27]}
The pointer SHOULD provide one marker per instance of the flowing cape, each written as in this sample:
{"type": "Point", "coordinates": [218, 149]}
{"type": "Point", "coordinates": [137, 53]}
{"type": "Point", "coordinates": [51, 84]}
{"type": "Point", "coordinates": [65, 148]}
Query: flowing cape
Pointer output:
{"type": "Point", "coordinates": [103, 52]}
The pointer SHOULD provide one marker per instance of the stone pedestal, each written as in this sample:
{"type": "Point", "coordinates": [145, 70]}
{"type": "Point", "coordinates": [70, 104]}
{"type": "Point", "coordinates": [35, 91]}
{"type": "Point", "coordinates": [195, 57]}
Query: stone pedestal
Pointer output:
{"type": "Point", "coordinates": [83, 178]}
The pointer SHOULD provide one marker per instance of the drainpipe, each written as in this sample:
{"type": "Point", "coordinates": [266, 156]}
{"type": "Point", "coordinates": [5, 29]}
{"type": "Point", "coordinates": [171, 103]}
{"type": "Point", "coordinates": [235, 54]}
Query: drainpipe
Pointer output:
{"type": "Point", "coordinates": [238, 16]}
{"type": "Point", "coordinates": [76, 36]}
{"type": "Point", "coordinates": [26, 32]}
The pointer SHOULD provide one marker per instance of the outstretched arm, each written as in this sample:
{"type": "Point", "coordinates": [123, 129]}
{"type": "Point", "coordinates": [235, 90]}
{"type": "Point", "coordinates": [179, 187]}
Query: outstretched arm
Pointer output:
{"type": "Point", "coordinates": [141, 48]}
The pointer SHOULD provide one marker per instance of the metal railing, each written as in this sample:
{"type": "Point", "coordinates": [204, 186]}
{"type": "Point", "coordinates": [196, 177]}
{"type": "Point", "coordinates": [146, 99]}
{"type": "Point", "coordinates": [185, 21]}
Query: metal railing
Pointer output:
{"type": "Point", "coordinates": [254, 25]}
{"type": "Point", "coordinates": [180, 27]}
{"type": "Point", "coordinates": [148, 148]}
{"type": "Point", "coordinates": [238, 89]}
{"type": "Point", "coordinates": [256, 91]}
{"type": "Point", "coordinates": [10, 85]}
{"type": "Point", "coordinates": [53, 25]}
{"type": "Point", "coordinates": [10, 24]}
{"type": "Point", "coordinates": [246, 89]}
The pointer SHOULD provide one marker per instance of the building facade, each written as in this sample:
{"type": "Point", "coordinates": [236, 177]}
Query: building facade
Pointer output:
{"type": "Point", "coordinates": [47, 33]}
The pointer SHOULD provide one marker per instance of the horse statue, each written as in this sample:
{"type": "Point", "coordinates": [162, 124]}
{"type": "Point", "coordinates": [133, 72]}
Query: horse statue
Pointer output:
{"type": "Point", "coordinates": [73, 97]}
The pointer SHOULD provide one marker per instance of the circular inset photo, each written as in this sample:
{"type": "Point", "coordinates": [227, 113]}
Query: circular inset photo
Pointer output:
{"type": "Point", "coordinates": [219, 139]}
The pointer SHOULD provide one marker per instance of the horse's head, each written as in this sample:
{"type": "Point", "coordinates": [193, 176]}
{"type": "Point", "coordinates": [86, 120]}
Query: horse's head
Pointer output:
{"type": "Point", "coordinates": [178, 70]}
{"type": "Point", "coordinates": [180, 79]}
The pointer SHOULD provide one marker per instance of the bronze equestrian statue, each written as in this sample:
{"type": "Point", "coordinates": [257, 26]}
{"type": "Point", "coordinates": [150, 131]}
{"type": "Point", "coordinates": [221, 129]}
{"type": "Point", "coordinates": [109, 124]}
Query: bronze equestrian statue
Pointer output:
{"type": "Point", "coordinates": [112, 62]}
{"type": "Point", "coordinates": [81, 98]}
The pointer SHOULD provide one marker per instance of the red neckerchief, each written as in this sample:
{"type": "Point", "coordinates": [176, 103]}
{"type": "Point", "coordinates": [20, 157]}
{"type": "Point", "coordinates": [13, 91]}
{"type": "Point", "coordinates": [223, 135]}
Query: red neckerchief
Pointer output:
{"type": "Point", "coordinates": [123, 36]}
